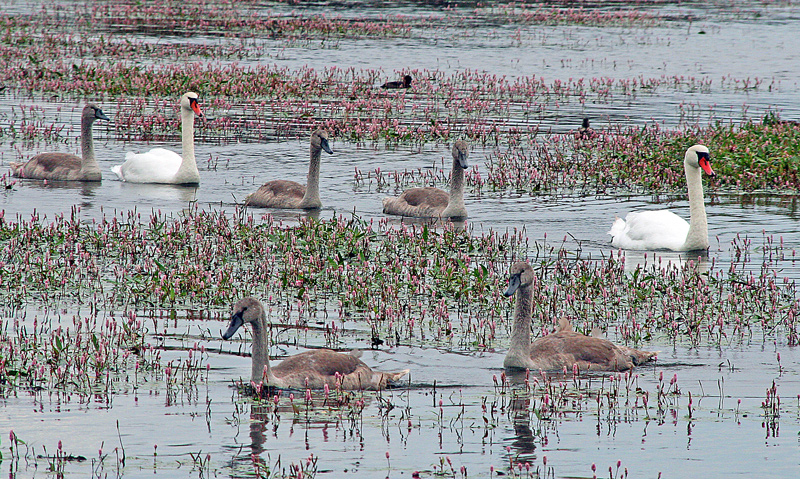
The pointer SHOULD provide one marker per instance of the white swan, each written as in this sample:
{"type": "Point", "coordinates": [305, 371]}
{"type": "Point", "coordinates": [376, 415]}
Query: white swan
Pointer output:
{"type": "Point", "coordinates": [65, 166]}
{"type": "Point", "coordinates": [564, 348]}
{"type": "Point", "coordinates": [163, 166]}
{"type": "Point", "coordinates": [432, 202]}
{"type": "Point", "coordinates": [311, 369]}
{"type": "Point", "coordinates": [290, 194]}
{"type": "Point", "coordinates": [663, 229]}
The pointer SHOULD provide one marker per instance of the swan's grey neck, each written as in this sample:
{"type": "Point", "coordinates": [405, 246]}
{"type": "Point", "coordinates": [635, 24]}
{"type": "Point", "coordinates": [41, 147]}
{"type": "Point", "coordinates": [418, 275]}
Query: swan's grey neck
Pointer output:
{"type": "Point", "coordinates": [260, 350]}
{"type": "Point", "coordinates": [90, 170]}
{"type": "Point", "coordinates": [187, 172]}
{"type": "Point", "coordinates": [455, 205]}
{"type": "Point", "coordinates": [520, 346]}
{"type": "Point", "coordinates": [697, 238]}
{"type": "Point", "coordinates": [311, 198]}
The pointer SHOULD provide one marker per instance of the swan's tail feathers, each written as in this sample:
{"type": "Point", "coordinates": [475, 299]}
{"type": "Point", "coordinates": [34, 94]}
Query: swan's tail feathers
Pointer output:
{"type": "Point", "coordinates": [356, 353]}
{"type": "Point", "coordinates": [564, 325]}
{"type": "Point", "coordinates": [16, 168]}
{"type": "Point", "coordinates": [117, 170]}
{"type": "Point", "coordinates": [639, 357]}
{"type": "Point", "coordinates": [395, 376]}
{"type": "Point", "coordinates": [617, 228]}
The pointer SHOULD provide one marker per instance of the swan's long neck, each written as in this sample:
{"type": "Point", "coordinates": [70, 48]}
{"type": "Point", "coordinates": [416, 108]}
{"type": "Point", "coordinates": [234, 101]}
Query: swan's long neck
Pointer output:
{"type": "Point", "coordinates": [455, 205]}
{"type": "Point", "coordinates": [89, 166]}
{"type": "Point", "coordinates": [521, 333]}
{"type": "Point", "coordinates": [697, 238]}
{"type": "Point", "coordinates": [260, 351]}
{"type": "Point", "coordinates": [311, 198]}
{"type": "Point", "coordinates": [187, 172]}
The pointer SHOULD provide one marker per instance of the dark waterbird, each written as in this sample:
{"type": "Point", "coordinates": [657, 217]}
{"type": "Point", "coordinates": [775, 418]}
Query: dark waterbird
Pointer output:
{"type": "Point", "coordinates": [404, 83]}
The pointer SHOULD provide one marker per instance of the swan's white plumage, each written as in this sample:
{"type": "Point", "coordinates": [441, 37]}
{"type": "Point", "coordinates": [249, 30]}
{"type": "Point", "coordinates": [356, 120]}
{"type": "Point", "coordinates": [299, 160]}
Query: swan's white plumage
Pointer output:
{"type": "Point", "coordinates": [649, 230]}
{"type": "Point", "coordinates": [160, 165]}
{"type": "Point", "coordinates": [663, 229]}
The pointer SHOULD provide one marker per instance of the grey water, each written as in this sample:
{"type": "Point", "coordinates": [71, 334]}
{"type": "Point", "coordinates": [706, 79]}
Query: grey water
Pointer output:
{"type": "Point", "coordinates": [723, 438]}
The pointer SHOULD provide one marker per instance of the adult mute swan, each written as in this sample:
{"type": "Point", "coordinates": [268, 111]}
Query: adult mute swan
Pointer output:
{"type": "Point", "coordinates": [65, 166]}
{"type": "Point", "coordinates": [289, 194]}
{"type": "Point", "coordinates": [564, 348]}
{"type": "Point", "coordinates": [663, 229]}
{"type": "Point", "coordinates": [307, 370]}
{"type": "Point", "coordinates": [432, 202]}
{"type": "Point", "coordinates": [163, 166]}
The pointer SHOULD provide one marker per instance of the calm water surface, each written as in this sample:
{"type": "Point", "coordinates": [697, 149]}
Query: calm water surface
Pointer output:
{"type": "Point", "coordinates": [720, 439]}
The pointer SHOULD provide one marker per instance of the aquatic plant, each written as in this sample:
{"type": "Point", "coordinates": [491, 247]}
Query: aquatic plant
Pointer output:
{"type": "Point", "coordinates": [755, 155]}
{"type": "Point", "coordinates": [428, 286]}
{"type": "Point", "coordinates": [543, 14]}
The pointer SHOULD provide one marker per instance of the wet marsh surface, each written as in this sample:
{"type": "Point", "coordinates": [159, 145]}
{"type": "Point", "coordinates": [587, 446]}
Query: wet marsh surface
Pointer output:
{"type": "Point", "coordinates": [115, 295]}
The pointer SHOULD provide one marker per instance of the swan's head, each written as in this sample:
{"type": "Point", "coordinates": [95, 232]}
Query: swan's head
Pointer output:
{"type": "Point", "coordinates": [246, 310]}
{"type": "Point", "coordinates": [519, 276]}
{"type": "Point", "coordinates": [407, 81]}
{"type": "Point", "coordinates": [319, 141]}
{"type": "Point", "coordinates": [189, 102]}
{"type": "Point", "coordinates": [93, 112]}
{"type": "Point", "coordinates": [698, 157]}
{"type": "Point", "coordinates": [460, 153]}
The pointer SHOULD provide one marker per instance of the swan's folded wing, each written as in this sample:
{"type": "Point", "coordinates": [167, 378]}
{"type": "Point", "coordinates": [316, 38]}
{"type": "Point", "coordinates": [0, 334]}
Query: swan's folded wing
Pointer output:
{"type": "Point", "coordinates": [321, 362]}
{"type": "Point", "coordinates": [49, 162]}
{"type": "Point", "coordinates": [158, 165]}
{"type": "Point", "coordinates": [428, 196]}
{"type": "Point", "coordinates": [648, 224]}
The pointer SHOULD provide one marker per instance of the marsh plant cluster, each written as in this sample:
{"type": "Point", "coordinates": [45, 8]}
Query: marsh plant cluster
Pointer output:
{"type": "Point", "coordinates": [97, 309]}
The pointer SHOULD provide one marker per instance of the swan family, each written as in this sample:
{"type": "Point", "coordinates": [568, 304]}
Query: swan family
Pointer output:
{"type": "Point", "coordinates": [643, 230]}
{"type": "Point", "coordinates": [316, 369]}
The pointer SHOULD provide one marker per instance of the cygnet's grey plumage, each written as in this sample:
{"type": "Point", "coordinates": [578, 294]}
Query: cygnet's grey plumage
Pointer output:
{"type": "Point", "coordinates": [565, 348]}
{"type": "Point", "coordinates": [310, 369]}
{"type": "Point", "coordinates": [66, 166]}
{"type": "Point", "coordinates": [432, 202]}
{"type": "Point", "coordinates": [290, 194]}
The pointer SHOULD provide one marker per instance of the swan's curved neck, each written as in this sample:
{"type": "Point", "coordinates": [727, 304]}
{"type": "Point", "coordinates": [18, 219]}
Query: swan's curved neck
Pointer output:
{"type": "Point", "coordinates": [697, 237]}
{"type": "Point", "coordinates": [260, 351]}
{"type": "Point", "coordinates": [521, 332]}
{"type": "Point", "coordinates": [88, 163]}
{"type": "Point", "coordinates": [455, 204]}
{"type": "Point", "coordinates": [187, 172]}
{"type": "Point", "coordinates": [311, 198]}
